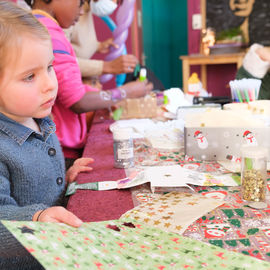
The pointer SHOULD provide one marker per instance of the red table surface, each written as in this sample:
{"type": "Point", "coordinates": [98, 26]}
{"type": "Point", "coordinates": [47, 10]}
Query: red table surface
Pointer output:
{"type": "Point", "coordinates": [92, 205]}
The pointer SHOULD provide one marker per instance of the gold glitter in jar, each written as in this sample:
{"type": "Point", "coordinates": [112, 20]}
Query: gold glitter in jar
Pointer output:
{"type": "Point", "coordinates": [253, 186]}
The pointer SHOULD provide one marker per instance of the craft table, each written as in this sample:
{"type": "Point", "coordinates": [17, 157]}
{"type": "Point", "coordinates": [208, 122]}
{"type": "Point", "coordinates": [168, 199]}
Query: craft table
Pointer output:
{"type": "Point", "coordinates": [203, 61]}
{"type": "Point", "coordinates": [102, 205]}
{"type": "Point", "coordinates": [233, 226]}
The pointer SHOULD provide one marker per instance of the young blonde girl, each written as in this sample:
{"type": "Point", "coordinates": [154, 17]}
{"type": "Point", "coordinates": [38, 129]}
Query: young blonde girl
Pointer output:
{"type": "Point", "coordinates": [32, 170]}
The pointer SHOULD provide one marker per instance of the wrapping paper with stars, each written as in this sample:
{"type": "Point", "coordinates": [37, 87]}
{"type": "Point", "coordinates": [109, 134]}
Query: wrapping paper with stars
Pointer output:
{"type": "Point", "coordinates": [174, 211]}
{"type": "Point", "coordinates": [122, 244]}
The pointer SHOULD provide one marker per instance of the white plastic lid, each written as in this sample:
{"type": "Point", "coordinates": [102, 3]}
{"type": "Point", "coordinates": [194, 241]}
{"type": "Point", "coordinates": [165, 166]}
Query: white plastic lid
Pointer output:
{"type": "Point", "coordinates": [122, 133]}
{"type": "Point", "coordinates": [143, 72]}
{"type": "Point", "coordinates": [254, 151]}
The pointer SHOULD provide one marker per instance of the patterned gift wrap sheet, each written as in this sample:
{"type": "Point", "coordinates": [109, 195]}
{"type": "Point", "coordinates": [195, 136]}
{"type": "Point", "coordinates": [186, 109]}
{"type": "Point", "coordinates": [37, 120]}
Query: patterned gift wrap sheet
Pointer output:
{"type": "Point", "coordinates": [122, 244]}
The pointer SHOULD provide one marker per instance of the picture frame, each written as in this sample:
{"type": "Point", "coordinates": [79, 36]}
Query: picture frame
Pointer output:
{"type": "Point", "coordinates": [253, 17]}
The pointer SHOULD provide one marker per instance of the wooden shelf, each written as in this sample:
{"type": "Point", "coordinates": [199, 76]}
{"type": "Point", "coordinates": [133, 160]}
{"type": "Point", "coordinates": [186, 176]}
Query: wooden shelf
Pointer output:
{"type": "Point", "coordinates": [203, 61]}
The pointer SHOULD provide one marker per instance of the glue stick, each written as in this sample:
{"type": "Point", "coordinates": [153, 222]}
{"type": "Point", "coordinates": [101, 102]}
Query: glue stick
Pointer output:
{"type": "Point", "coordinates": [143, 74]}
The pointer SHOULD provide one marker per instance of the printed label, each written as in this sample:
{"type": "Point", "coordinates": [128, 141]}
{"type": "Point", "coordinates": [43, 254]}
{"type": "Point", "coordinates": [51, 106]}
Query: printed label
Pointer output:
{"type": "Point", "coordinates": [125, 153]}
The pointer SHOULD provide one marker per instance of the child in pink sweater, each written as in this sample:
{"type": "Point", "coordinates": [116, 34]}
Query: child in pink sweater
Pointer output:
{"type": "Point", "coordinates": [75, 98]}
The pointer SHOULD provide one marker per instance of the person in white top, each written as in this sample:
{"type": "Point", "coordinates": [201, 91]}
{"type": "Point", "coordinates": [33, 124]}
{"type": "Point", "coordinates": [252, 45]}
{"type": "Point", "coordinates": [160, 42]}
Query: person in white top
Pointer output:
{"type": "Point", "coordinates": [84, 41]}
{"type": "Point", "coordinates": [256, 64]}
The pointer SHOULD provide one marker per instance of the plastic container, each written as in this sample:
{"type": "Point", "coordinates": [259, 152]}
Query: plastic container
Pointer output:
{"type": "Point", "coordinates": [123, 148]}
{"type": "Point", "coordinates": [253, 173]}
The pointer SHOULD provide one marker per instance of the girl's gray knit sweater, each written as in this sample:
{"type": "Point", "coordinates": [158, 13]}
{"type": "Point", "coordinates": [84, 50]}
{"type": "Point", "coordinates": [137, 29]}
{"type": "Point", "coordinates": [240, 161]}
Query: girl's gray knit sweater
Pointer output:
{"type": "Point", "coordinates": [32, 178]}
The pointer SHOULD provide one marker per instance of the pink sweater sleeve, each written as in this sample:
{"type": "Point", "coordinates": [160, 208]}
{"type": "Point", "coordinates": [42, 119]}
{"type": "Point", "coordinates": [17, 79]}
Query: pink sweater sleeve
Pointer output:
{"type": "Point", "coordinates": [70, 86]}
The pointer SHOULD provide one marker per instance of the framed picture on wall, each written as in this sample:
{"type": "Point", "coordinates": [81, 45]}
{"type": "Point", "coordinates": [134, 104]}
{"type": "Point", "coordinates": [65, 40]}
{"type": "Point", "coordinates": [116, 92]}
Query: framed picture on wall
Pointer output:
{"type": "Point", "coordinates": [251, 16]}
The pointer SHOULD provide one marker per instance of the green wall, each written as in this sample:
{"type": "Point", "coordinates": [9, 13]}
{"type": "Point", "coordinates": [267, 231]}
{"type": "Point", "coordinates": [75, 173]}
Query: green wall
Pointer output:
{"type": "Point", "coordinates": [165, 38]}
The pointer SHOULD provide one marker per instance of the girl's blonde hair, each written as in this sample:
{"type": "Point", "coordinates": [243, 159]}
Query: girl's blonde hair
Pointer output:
{"type": "Point", "coordinates": [15, 23]}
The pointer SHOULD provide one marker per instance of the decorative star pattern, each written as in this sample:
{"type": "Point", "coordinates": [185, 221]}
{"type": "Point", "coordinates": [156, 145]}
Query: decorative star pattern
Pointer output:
{"type": "Point", "coordinates": [166, 211]}
{"type": "Point", "coordinates": [25, 229]}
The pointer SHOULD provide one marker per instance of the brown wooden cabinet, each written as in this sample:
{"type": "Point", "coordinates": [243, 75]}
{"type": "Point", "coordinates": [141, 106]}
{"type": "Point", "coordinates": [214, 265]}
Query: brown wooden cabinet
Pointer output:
{"type": "Point", "coordinates": [203, 61]}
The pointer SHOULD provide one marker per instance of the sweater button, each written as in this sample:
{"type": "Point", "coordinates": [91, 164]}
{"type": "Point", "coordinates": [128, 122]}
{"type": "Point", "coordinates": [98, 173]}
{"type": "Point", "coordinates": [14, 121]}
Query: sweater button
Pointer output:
{"type": "Point", "coordinates": [59, 181]}
{"type": "Point", "coordinates": [51, 152]}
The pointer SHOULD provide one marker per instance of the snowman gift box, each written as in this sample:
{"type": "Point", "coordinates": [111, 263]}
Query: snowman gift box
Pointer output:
{"type": "Point", "coordinates": [219, 135]}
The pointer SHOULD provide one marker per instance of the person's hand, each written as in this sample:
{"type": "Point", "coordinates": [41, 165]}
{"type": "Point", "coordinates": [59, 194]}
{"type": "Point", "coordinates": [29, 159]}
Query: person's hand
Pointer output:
{"type": "Point", "coordinates": [264, 53]}
{"type": "Point", "coordinates": [79, 165]}
{"type": "Point", "coordinates": [57, 214]}
{"type": "Point", "coordinates": [137, 89]}
{"type": "Point", "coordinates": [104, 46]}
{"type": "Point", "coordinates": [123, 64]}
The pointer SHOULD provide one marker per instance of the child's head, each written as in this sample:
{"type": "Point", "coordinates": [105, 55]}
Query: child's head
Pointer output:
{"type": "Point", "coordinates": [14, 23]}
{"type": "Point", "coordinates": [28, 85]}
{"type": "Point", "coordinates": [66, 12]}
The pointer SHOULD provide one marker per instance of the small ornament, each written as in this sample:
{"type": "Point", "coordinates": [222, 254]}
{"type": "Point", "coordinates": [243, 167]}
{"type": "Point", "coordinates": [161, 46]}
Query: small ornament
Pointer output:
{"type": "Point", "coordinates": [208, 39]}
{"type": "Point", "coordinates": [194, 85]}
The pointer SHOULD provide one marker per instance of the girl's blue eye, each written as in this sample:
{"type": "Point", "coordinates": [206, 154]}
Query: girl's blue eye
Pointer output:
{"type": "Point", "coordinates": [29, 77]}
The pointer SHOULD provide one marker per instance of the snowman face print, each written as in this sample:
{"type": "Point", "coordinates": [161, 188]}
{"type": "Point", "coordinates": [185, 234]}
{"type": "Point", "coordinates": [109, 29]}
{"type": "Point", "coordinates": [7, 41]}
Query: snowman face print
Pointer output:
{"type": "Point", "coordinates": [201, 139]}
{"type": "Point", "coordinates": [250, 139]}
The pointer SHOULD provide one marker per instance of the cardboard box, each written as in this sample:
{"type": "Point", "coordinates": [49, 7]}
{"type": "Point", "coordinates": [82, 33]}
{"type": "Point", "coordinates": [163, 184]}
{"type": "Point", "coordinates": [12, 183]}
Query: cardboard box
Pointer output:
{"type": "Point", "coordinates": [145, 107]}
{"type": "Point", "coordinates": [223, 143]}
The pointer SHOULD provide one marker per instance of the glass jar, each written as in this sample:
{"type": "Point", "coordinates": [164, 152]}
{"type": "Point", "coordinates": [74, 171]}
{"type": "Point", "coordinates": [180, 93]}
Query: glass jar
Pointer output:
{"type": "Point", "coordinates": [253, 173]}
{"type": "Point", "coordinates": [123, 148]}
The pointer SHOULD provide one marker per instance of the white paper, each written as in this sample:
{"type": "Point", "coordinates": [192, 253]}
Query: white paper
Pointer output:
{"type": "Point", "coordinates": [177, 176]}
{"type": "Point", "coordinates": [107, 185]}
